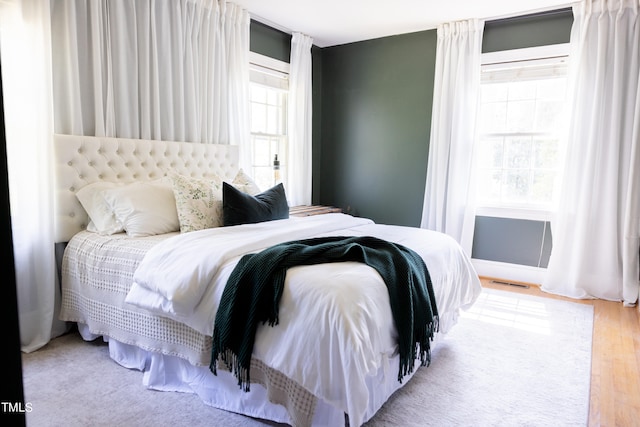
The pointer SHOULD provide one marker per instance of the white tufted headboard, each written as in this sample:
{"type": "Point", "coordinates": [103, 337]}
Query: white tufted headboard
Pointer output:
{"type": "Point", "coordinates": [82, 160]}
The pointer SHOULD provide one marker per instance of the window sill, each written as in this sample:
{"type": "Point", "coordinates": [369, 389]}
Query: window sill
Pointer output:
{"type": "Point", "coordinates": [514, 213]}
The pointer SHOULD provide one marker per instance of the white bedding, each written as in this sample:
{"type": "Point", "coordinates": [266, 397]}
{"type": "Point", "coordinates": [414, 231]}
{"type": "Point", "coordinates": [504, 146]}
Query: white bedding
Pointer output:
{"type": "Point", "coordinates": [98, 271]}
{"type": "Point", "coordinates": [339, 310]}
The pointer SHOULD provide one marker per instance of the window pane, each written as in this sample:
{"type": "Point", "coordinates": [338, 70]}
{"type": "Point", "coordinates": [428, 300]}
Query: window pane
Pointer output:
{"type": "Point", "coordinates": [273, 120]}
{"type": "Point", "coordinates": [548, 115]}
{"type": "Point", "coordinates": [493, 92]}
{"type": "Point", "coordinates": [542, 189]}
{"type": "Point", "coordinates": [493, 117]}
{"type": "Point", "coordinates": [552, 88]}
{"type": "Point", "coordinates": [258, 118]}
{"type": "Point", "coordinates": [520, 116]}
{"type": "Point", "coordinates": [268, 128]}
{"type": "Point", "coordinates": [516, 186]}
{"type": "Point", "coordinates": [489, 185]}
{"type": "Point", "coordinates": [546, 153]}
{"type": "Point", "coordinates": [520, 120]}
{"type": "Point", "coordinates": [272, 97]}
{"type": "Point", "coordinates": [261, 152]}
{"type": "Point", "coordinates": [491, 153]}
{"type": "Point", "coordinates": [517, 152]}
{"type": "Point", "coordinates": [258, 94]}
{"type": "Point", "coordinates": [522, 90]}
{"type": "Point", "coordinates": [263, 177]}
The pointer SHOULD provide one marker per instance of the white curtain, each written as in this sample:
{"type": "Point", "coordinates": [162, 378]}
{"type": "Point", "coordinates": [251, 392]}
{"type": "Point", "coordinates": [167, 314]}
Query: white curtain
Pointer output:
{"type": "Point", "coordinates": [165, 70]}
{"type": "Point", "coordinates": [25, 46]}
{"type": "Point", "coordinates": [448, 201]}
{"type": "Point", "coordinates": [299, 121]}
{"type": "Point", "coordinates": [597, 227]}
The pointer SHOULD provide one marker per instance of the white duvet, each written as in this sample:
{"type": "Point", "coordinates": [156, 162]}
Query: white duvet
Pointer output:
{"type": "Point", "coordinates": [336, 330]}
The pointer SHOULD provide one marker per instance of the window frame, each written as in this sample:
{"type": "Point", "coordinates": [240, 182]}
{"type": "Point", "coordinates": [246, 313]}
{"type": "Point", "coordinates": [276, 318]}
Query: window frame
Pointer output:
{"type": "Point", "coordinates": [537, 58]}
{"type": "Point", "coordinates": [273, 74]}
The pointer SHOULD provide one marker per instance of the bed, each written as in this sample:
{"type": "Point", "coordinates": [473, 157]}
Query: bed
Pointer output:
{"type": "Point", "coordinates": [149, 283]}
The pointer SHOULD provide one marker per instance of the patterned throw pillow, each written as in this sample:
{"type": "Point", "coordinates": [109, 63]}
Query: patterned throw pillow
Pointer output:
{"type": "Point", "coordinates": [198, 201]}
{"type": "Point", "coordinates": [244, 183]}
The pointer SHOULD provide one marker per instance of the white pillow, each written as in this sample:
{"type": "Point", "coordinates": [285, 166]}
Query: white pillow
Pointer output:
{"type": "Point", "coordinates": [144, 208]}
{"type": "Point", "coordinates": [198, 201]}
{"type": "Point", "coordinates": [103, 221]}
{"type": "Point", "coordinates": [244, 183]}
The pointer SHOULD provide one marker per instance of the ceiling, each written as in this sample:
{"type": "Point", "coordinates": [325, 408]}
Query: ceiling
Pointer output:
{"type": "Point", "coordinates": [335, 22]}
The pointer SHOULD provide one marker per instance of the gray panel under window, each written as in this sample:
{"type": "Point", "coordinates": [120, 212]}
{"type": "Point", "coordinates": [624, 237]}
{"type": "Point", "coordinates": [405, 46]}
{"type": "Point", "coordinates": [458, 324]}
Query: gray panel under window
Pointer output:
{"type": "Point", "coordinates": [538, 29]}
{"type": "Point", "coordinates": [513, 241]}
{"type": "Point", "coordinates": [269, 41]}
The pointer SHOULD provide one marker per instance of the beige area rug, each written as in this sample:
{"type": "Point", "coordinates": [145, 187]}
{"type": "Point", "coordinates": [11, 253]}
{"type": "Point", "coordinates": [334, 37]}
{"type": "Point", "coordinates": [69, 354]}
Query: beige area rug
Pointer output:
{"type": "Point", "coordinates": [512, 360]}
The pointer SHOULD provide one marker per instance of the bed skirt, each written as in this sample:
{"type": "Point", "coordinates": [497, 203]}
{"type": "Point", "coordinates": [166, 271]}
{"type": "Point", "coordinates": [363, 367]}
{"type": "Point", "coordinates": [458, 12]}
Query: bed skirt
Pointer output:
{"type": "Point", "coordinates": [271, 397]}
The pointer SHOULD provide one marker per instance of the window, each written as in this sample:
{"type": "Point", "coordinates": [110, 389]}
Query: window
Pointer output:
{"type": "Point", "coordinates": [268, 100]}
{"type": "Point", "coordinates": [520, 121]}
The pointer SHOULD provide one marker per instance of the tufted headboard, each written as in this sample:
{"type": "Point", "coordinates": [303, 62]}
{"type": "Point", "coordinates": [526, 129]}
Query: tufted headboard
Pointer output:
{"type": "Point", "coordinates": [82, 160]}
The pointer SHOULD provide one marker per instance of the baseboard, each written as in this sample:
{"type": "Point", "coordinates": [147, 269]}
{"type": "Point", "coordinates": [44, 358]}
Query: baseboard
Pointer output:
{"type": "Point", "coordinates": [509, 272]}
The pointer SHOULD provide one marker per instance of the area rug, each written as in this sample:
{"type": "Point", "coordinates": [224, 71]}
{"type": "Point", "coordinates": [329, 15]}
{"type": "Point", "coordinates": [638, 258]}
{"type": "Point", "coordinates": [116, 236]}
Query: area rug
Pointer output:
{"type": "Point", "coordinates": [512, 360]}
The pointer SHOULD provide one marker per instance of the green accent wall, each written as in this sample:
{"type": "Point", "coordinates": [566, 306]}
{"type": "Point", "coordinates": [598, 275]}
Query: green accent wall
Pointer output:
{"type": "Point", "coordinates": [376, 119]}
{"type": "Point", "coordinates": [317, 91]}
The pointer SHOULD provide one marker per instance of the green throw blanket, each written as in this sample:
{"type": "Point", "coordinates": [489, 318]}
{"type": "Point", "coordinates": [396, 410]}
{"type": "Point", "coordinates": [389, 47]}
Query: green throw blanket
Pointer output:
{"type": "Point", "coordinates": [253, 291]}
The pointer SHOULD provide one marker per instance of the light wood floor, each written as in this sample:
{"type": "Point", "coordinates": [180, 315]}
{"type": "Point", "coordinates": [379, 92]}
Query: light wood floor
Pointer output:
{"type": "Point", "coordinates": [615, 362]}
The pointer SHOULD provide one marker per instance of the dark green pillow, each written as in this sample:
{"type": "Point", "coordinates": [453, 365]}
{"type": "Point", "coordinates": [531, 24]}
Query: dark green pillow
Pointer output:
{"type": "Point", "coordinates": [242, 208]}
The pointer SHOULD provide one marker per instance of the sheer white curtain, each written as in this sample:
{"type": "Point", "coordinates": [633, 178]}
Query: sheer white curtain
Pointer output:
{"type": "Point", "coordinates": [448, 201]}
{"type": "Point", "coordinates": [597, 227]}
{"type": "Point", "coordinates": [171, 70]}
{"type": "Point", "coordinates": [299, 121]}
{"type": "Point", "coordinates": [25, 46]}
